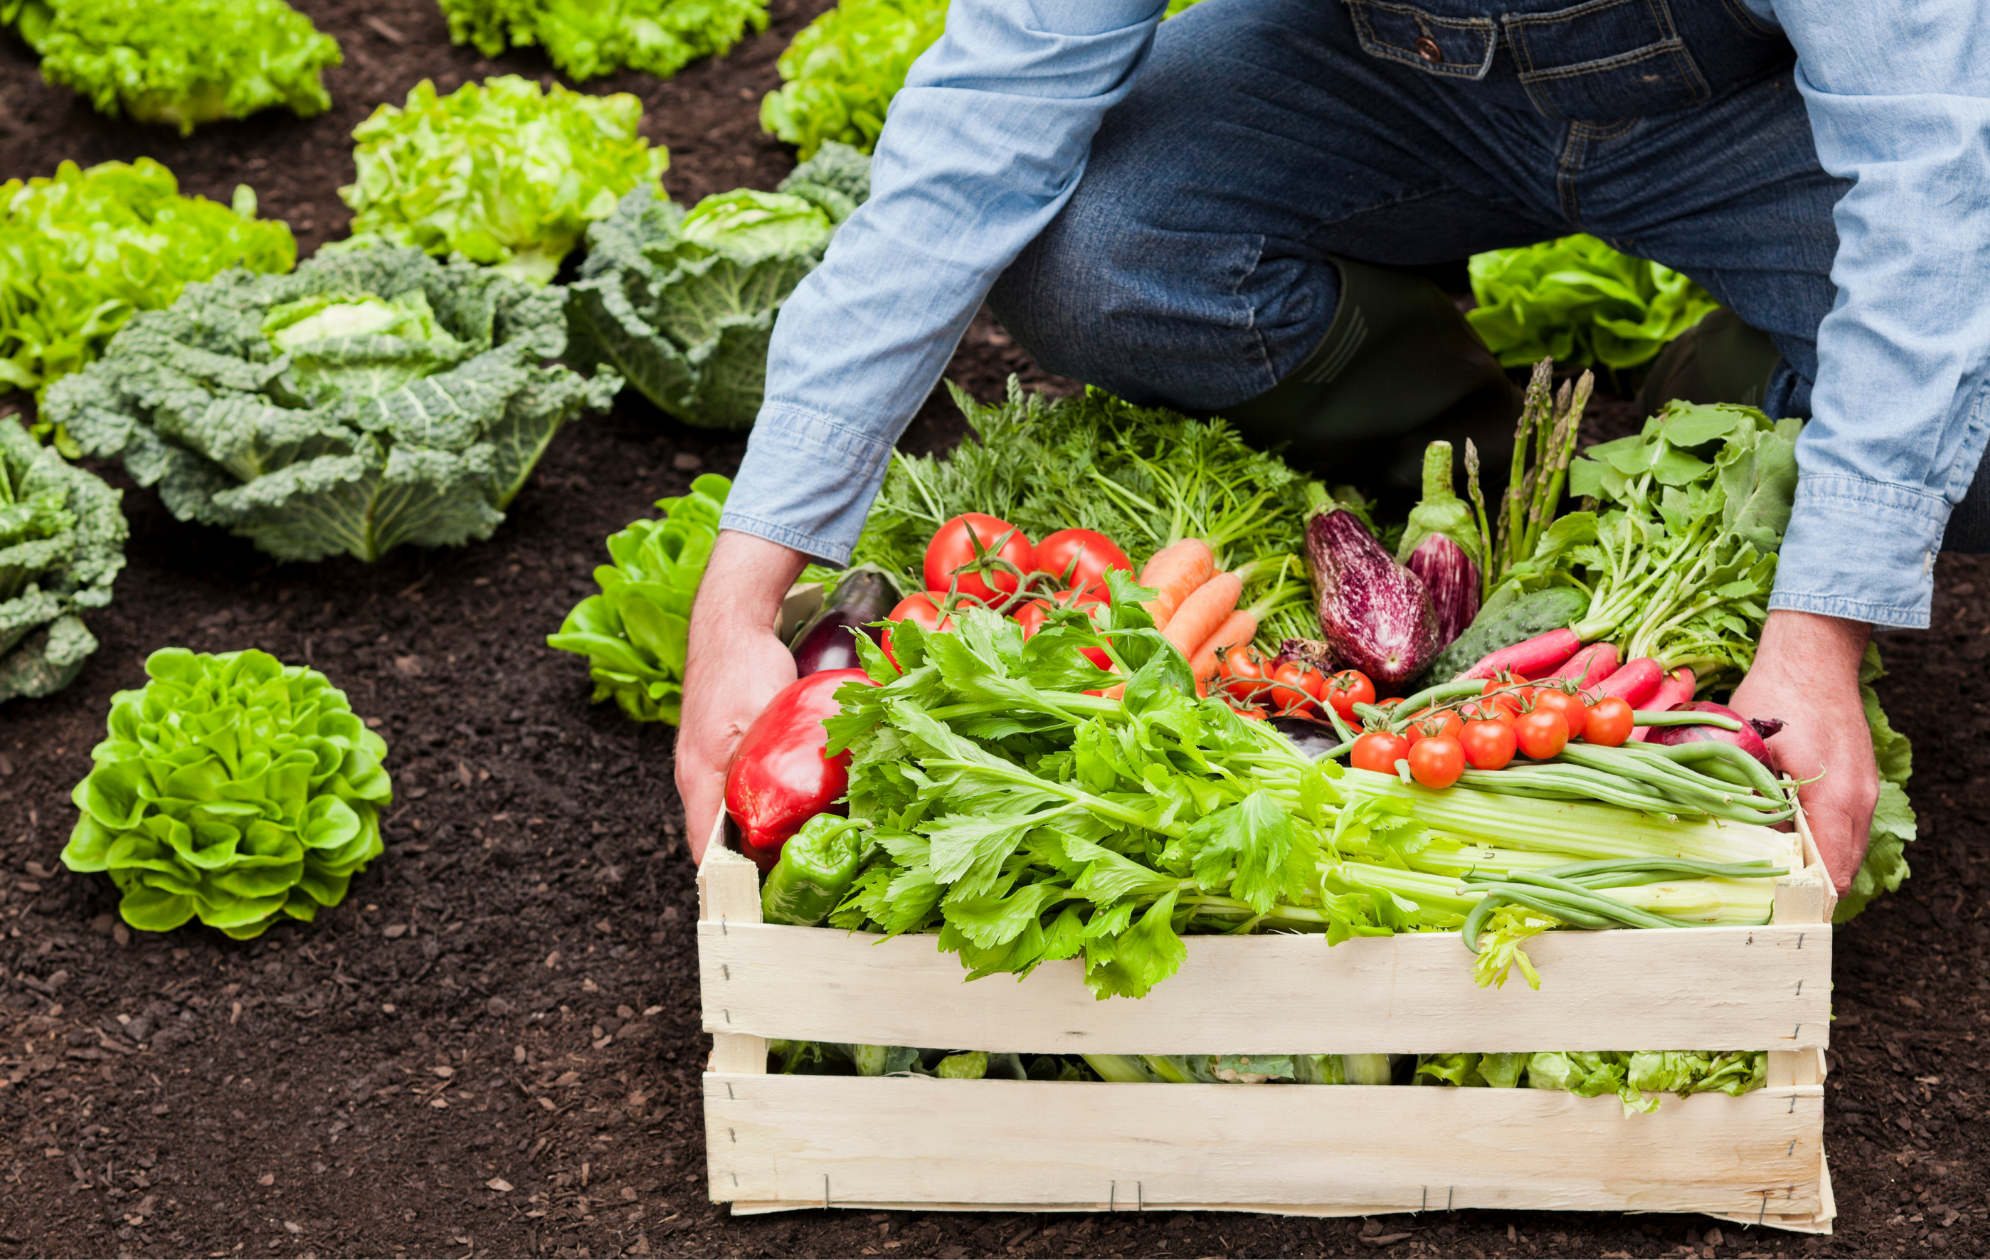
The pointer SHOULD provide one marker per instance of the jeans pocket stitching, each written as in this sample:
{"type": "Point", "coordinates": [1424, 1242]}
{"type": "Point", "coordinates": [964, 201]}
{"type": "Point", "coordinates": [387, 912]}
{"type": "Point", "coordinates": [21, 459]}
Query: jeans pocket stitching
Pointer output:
{"type": "Point", "coordinates": [1616, 61]}
{"type": "Point", "coordinates": [1375, 46]}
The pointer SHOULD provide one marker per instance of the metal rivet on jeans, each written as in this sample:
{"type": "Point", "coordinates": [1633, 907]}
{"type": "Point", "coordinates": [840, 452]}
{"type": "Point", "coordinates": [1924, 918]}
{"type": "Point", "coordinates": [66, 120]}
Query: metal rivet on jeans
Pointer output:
{"type": "Point", "coordinates": [1427, 48]}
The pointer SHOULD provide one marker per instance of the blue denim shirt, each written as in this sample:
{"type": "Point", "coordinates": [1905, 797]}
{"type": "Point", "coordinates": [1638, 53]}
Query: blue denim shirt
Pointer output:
{"type": "Point", "coordinates": [991, 134]}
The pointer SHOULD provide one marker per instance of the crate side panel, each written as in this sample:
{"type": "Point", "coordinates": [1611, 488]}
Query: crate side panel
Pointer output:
{"type": "Point", "coordinates": [1765, 988]}
{"type": "Point", "coordinates": [914, 1140]}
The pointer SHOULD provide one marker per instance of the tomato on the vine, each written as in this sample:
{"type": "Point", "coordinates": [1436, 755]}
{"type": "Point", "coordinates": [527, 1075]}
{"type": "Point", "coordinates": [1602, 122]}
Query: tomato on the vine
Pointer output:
{"type": "Point", "coordinates": [1080, 558]}
{"type": "Point", "coordinates": [1488, 745]}
{"type": "Point", "coordinates": [1487, 709]}
{"type": "Point", "coordinates": [923, 608]}
{"type": "Point", "coordinates": [1608, 723]}
{"type": "Point", "coordinates": [993, 571]}
{"type": "Point", "coordinates": [1437, 761]}
{"type": "Point", "coordinates": [1295, 687]}
{"type": "Point", "coordinates": [1428, 725]}
{"type": "Point", "coordinates": [1574, 712]}
{"type": "Point", "coordinates": [1508, 694]}
{"type": "Point", "coordinates": [1347, 689]}
{"type": "Point", "coordinates": [1541, 734]}
{"type": "Point", "coordinates": [1379, 751]}
{"type": "Point", "coordinates": [1244, 674]}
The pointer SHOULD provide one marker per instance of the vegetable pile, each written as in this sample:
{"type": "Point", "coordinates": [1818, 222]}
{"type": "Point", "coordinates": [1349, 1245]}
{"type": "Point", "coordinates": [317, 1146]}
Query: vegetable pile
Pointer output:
{"type": "Point", "coordinates": [61, 545]}
{"type": "Point", "coordinates": [83, 252]}
{"type": "Point", "coordinates": [498, 171]}
{"type": "Point", "coordinates": [233, 788]}
{"type": "Point", "coordinates": [682, 304]}
{"type": "Point", "coordinates": [372, 398]}
{"type": "Point", "coordinates": [179, 62]}
{"type": "Point", "coordinates": [633, 633]}
{"type": "Point", "coordinates": [1578, 301]}
{"type": "Point", "coordinates": [586, 38]}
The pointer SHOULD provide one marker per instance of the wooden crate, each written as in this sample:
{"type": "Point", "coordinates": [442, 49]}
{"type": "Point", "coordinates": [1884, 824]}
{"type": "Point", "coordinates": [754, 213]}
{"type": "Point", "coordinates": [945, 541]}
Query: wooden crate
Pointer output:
{"type": "Point", "coordinates": [777, 1142]}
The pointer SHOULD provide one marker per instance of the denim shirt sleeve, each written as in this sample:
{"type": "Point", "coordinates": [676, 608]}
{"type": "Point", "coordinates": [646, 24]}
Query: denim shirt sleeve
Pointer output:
{"type": "Point", "coordinates": [979, 151]}
{"type": "Point", "coordinates": [1899, 101]}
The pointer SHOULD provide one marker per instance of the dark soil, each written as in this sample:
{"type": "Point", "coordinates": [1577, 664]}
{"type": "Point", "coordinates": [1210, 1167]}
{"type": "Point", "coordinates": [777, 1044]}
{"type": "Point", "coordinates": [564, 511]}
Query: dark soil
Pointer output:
{"type": "Point", "coordinates": [492, 1047]}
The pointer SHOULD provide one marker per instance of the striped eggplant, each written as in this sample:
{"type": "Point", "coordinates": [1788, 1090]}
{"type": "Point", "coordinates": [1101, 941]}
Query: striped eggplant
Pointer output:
{"type": "Point", "coordinates": [1452, 582]}
{"type": "Point", "coordinates": [1376, 614]}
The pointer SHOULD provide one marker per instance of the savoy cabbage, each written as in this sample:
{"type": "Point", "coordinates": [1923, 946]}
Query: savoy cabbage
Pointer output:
{"type": "Point", "coordinates": [61, 544]}
{"type": "Point", "coordinates": [371, 398]}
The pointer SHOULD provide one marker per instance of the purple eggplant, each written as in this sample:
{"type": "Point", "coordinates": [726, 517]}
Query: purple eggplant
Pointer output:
{"type": "Point", "coordinates": [1313, 739]}
{"type": "Point", "coordinates": [1452, 582]}
{"type": "Point", "coordinates": [828, 640]}
{"type": "Point", "coordinates": [1376, 614]}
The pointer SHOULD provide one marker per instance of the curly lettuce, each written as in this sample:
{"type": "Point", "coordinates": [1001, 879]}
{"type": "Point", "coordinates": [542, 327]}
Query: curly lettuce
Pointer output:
{"type": "Point", "coordinates": [1580, 302]}
{"type": "Point", "coordinates": [232, 788]}
{"type": "Point", "coordinates": [586, 38]}
{"type": "Point", "coordinates": [180, 62]}
{"type": "Point", "coordinates": [83, 252]}
{"type": "Point", "coordinates": [372, 398]}
{"type": "Point", "coordinates": [1893, 826]}
{"type": "Point", "coordinates": [61, 545]}
{"type": "Point", "coordinates": [634, 632]}
{"type": "Point", "coordinates": [499, 171]}
{"type": "Point", "coordinates": [682, 304]}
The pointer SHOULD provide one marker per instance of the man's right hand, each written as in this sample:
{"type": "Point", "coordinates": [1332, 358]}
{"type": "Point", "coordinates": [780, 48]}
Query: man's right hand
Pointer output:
{"type": "Point", "coordinates": [733, 666]}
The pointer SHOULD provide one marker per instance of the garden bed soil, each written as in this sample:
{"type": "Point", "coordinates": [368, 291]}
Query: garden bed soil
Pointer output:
{"type": "Point", "coordinates": [492, 1047]}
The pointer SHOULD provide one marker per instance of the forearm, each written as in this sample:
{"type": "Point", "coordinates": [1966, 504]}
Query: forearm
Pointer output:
{"type": "Point", "coordinates": [744, 583]}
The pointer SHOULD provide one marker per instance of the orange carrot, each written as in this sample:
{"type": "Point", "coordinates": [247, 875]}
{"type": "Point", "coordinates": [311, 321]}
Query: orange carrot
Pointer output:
{"type": "Point", "coordinates": [1201, 613]}
{"type": "Point", "coordinates": [1176, 572]}
{"type": "Point", "coordinates": [1238, 628]}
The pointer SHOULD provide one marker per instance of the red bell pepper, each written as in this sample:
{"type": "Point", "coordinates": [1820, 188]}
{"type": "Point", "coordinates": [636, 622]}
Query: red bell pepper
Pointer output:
{"type": "Point", "coordinates": [782, 776]}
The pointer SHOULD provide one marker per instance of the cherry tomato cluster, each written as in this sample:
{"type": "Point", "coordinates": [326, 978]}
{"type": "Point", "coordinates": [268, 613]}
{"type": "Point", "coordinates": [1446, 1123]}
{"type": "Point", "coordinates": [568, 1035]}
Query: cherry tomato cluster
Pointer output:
{"type": "Point", "coordinates": [1510, 716]}
{"type": "Point", "coordinates": [1291, 688]}
{"type": "Point", "coordinates": [983, 561]}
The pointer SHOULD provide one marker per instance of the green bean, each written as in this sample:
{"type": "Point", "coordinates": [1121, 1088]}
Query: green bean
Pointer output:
{"type": "Point", "coordinates": [1683, 717]}
{"type": "Point", "coordinates": [1662, 868]}
{"type": "Point", "coordinates": [1557, 907]}
{"type": "Point", "coordinates": [1510, 783]}
{"type": "Point", "coordinates": [1670, 776]}
{"type": "Point", "coordinates": [1437, 694]}
{"type": "Point", "coordinates": [1642, 918]}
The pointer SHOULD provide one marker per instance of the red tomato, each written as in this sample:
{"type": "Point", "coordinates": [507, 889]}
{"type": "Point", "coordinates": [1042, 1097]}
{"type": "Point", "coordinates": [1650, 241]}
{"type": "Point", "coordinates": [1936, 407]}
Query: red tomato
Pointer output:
{"type": "Point", "coordinates": [991, 572]}
{"type": "Point", "coordinates": [1295, 687]}
{"type": "Point", "coordinates": [1436, 762]}
{"type": "Point", "coordinates": [1347, 689]}
{"type": "Point", "coordinates": [1255, 715]}
{"type": "Point", "coordinates": [1080, 558]}
{"type": "Point", "coordinates": [1429, 725]}
{"type": "Point", "coordinates": [1541, 734]}
{"type": "Point", "coordinates": [1379, 751]}
{"type": "Point", "coordinates": [923, 608]}
{"type": "Point", "coordinates": [1503, 693]}
{"type": "Point", "coordinates": [1487, 710]}
{"type": "Point", "coordinates": [1488, 745]}
{"type": "Point", "coordinates": [1244, 674]}
{"type": "Point", "coordinates": [1574, 712]}
{"type": "Point", "coordinates": [1608, 722]}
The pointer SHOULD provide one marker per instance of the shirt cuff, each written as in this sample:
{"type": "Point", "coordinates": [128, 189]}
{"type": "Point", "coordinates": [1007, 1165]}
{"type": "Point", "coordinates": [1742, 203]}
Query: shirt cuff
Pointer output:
{"type": "Point", "coordinates": [1862, 550]}
{"type": "Point", "coordinates": [807, 482]}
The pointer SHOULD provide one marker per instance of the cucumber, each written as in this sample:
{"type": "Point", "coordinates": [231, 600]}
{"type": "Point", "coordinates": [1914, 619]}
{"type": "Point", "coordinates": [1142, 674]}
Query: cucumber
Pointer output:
{"type": "Point", "coordinates": [1505, 622]}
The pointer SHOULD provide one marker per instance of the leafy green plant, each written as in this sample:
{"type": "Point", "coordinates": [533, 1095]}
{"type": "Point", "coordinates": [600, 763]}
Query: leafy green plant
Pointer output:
{"type": "Point", "coordinates": [179, 62]}
{"type": "Point", "coordinates": [633, 633]}
{"type": "Point", "coordinates": [840, 72]}
{"type": "Point", "coordinates": [1894, 825]}
{"type": "Point", "coordinates": [234, 788]}
{"type": "Point", "coordinates": [682, 304]}
{"type": "Point", "coordinates": [1579, 302]}
{"type": "Point", "coordinates": [586, 38]}
{"type": "Point", "coordinates": [372, 398]}
{"type": "Point", "coordinates": [83, 252]}
{"type": "Point", "coordinates": [499, 171]}
{"type": "Point", "coordinates": [61, 545]}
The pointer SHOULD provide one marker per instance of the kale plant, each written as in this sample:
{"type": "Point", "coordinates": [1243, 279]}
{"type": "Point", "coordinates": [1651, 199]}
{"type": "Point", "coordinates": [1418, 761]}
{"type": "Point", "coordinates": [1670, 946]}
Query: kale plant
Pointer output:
{"type": "Point", "coordinates": [61, 544]}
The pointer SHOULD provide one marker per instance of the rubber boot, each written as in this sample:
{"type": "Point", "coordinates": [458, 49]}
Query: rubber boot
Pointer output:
{"type": "Point", "coordinates": [1718, 360]}
{"type": "Point", "coordinates": [1397, 369]}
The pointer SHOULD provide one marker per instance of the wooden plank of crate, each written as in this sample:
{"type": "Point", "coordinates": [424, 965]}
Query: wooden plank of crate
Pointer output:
{"type": "Point", "coordinates": [729, 897]}
{"type": "Point", "coordinates": [1735, 987]}
{"type": "Point", "coordinates": [811, 1141]}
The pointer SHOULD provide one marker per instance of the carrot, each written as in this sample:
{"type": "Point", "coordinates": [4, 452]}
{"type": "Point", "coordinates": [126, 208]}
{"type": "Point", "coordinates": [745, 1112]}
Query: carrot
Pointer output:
{"type": "Point", "coordinates": [1176, 572]}
{"type": "Point", "coordinates": [1201, 613]}
{"type": "Point", "coordinates": [1238, 628]}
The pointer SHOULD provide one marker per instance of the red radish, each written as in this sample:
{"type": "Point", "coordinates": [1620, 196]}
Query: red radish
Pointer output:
{"type": "Point", "coordinates": [1748, 738]}
{"type": "Point", "coordinates": [1635, 683]}
{"type": "Point", "coordinates": [1533, 657]}
{"type": "Point", "coordinates": [1677, 689]}
{"type": "Point", "coordinates": [1590, 666]}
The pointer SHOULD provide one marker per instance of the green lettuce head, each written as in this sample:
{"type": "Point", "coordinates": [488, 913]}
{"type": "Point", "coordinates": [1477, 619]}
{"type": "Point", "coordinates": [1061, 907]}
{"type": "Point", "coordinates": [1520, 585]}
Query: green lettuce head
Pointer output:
{"type": "Point", "coordinates": [233, 788]}
{"type": "Point", "coordinates": [61, 545]}
{"type": "Point", "coordinates": [372, 398]}
{"type": "Point", "coordinates": [180, 62]}
{"type": "Point", "coordinates": [1580, 302]}
{"type": "Point", "coordinates": [683, 304]}
{"type": "Point", "coordinates": [586, 38]}
{"type": "Point", "coordinates": [499, 171]}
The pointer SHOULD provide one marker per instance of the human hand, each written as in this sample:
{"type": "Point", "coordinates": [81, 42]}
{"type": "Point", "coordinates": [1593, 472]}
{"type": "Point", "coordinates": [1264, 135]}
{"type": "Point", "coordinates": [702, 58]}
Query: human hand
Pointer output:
{"type": "Point", "coordinates": [1806, 672]}
{"type": "Point", "coordinates": [733, 666]}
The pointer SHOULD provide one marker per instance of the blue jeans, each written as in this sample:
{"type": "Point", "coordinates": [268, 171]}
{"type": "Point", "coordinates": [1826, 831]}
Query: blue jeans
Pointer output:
{"type": "Point", "coordinates": [1190, 267]}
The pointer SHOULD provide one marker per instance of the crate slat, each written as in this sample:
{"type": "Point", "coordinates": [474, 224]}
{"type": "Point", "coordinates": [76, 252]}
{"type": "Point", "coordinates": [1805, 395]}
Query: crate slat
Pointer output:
{"type": "Point", "coordinates": [1728, 987]}
{"type": "Point", "coordinates": [808, 1141]}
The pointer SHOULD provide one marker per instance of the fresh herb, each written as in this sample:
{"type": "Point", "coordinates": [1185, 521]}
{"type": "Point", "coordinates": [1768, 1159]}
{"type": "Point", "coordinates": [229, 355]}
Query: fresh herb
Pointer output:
{"type": "Point", "coordinates": [234, 788]}
{"type": "Point", "coordinates": [372, 398]}
{"type": "Point", "coordinates": [586, 38]}
{"type": "Point", "coordinates": [1580, 302]}
{"type": "Point", "coordinates": [61, 545]}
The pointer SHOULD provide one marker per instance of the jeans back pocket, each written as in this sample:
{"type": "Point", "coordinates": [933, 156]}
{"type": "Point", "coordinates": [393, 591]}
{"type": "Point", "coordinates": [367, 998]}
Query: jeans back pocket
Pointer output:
{"type": "Point", "coordinates": [1604, 59]}
{"type": "Point", "coordinates": [1455, 47]}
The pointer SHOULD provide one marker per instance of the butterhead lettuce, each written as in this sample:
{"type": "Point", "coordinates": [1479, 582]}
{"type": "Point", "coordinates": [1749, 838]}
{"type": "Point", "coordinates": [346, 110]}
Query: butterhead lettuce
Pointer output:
{"type": "Point", "coordinates": [1580, 302]}
{"type": "Point", "coordinates": [586, 38]}
{"type": "Point", "coordinates": [372, 398]}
